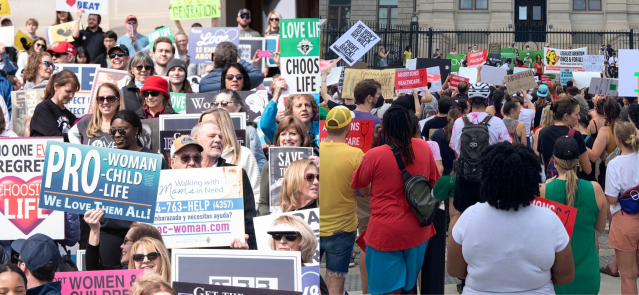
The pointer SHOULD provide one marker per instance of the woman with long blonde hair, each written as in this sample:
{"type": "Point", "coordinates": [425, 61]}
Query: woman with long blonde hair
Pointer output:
{"type": "Point", "coordinates": [151, 255]}
{"type": "Point", "coordinates": [300, 187]}
{"type": "Point", "coordinates": [94, 129]}
{"type": "Point", "coordinates": [273, 26]}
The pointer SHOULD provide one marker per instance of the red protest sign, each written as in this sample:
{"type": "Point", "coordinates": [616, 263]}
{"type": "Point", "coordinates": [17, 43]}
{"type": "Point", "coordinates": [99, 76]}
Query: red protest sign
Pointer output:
{"type": "Point", "coordinates": [545, 79]}
{"type": "Point", "coordinates": [433, 78]}
{"type": "Point", "coordinates": [406, 81]}
{"type": "Point", "coordinates": [361, 135]}
{"type": "Point", "coordinates": [455, 79]}
{"type": "Point", "coordinates": [477, 58]}
{"type": "Point", "coordinates": [566, 214]}
{"type": "Point", "coordinates": [325, 63]}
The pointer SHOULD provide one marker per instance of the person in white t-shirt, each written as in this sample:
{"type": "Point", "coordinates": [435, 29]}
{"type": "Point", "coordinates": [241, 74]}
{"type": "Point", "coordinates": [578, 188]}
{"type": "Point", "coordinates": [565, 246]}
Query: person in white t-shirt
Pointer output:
{"type": "Point", "coordinates": [507, 245]}
{"type": "Point", "coordinates": [527, 115]}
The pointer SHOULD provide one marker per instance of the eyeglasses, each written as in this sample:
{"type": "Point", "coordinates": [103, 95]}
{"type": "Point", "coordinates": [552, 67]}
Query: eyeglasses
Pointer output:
{"type": "Point", "coordinates": [224, 103]}
{"type": "Point", "coordinates": [146, 68]}
{"type": "Point", "coordinates": [140, 257]}
{"type": "Point", "coordinates": [132, 22]}
{"type": "Point", "coordinates": [109, 99]}
{"type": "Point", "coordinates": [238, 76]}
{"type": "Point", "coordinates": [119, 54]}
{"type": "Point", "coordinates": [48, 64]}
{"type": "Point", "coordinates": [274, 19]}
{"type": "Point", "coordinates": [309, 177]}
{"type": "Point", "coordinates": [291, 237]}
{"type": "Point", "coordinates": [58, 55]}
{"type": "Point", "coordinates": [153, 93]}
{"type": "Point", "coordinates": [245, 16]}
{"type": "Point", "coordinates": [120, 130]}
{"type": "Point", "coordinates": [197, 158]}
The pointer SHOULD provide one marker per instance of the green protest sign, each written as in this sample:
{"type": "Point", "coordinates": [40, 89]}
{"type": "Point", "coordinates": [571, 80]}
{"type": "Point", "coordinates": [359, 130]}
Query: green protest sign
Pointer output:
{"type": "Point", "coordinates": [161, 32]}
{"type": "Point", "coordinates": [299, 53]}
{"type": "Point", "coordinates": [455, 61]}
{"type": "Point", "coordinates": [190, 9]}
{"type": "Point", "coordinates": [178, 102]}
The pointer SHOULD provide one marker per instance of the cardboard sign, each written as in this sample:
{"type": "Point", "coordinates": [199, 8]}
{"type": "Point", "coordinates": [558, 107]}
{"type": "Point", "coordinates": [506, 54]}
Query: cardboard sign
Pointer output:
{"type": "Point", "coordinates": [311, 279]}
{"type": "Point", "coordinates": [384, 77]}
{"type": "Point", "coordinates": [178, 102]}
{"type": "Point", "coordinates": [264, 223]}
{"type": "Point", "coordinates": [22, 163]}
{"type": "Point", "coordinates": [280, 159]}
{"type": "Point", "coordinates": [356, 42]}
{"type": "Point", "coordinates": [202, 42]}
{"type": "Point", "coordinates": [22, 42]}
{"type": "Point", "coordinates": [557, 59]}
{"type": "Point", "coordinates": [455, 79]}
{"type": "Point", "coordinates": [523, 80]}
{"type": "Point", "coordinates": [566, 214]}
{"type": "Point", "coordinates": [82, 102]}
{"type": "Point", "coordinates": [628, 72]}
{"type": "Point", "coordinates": [61, 32]}
{"type": "Point", "coordinates": [98, 282]}
{"type": "Point", "coordinates": [101, 76]}
{"type": "Point", "coordinates": [161, 32]}
{"type": "Point", "coordinates": [184, 9]}
{"type": "Point", "coordinates": [493, 75]}
{"type": "Point", "coordinates": [582, 79]}
{"type": "Point", "coordinates": [5, 9]}
{"type": "Point", "coordinates": [248, 47]}
{"type": "Point", "coordinates": [407, 81]}
{"type": "Point", "coordinates": [565, 76]}
{"type": "Point", "coordinates": [23, 104]}
{"type": "Point", "coordinates": [594, 63]}
{"type": "Point", "coordinates": [361, 135]}
{"type": "Point", "coordinates": [275, 270]}
{"type": "Point", "coordinates": [299, 55]}
{"type": "Point", "coordinates": [7, 36]}
{"type": "Point", "coordinates": [90, 6]}
{"type": "Point", "coordinates": [78, 178]}
{"type": "Point", "coordinates": [477, 58]}
{"type": "Point", "coordinates": [200, 207]}
{"type": "Point", "coordinates": [240, 286]}
{"type": "Point", "coordinates": [469, 73]}
{"type": "Point", "coordinates": [494, 48]}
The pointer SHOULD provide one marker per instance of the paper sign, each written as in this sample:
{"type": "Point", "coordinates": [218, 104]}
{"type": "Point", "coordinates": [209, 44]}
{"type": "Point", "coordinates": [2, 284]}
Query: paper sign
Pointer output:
{"type": "Point", "coordinates": [437, 85]}
{"type": "Point", "coordinates": [334, 75]}
{"type": "Point", "coordinates": [455, 79]}
{"type": "Point", "coordinates": [557, 59]}
{"type": "Point", "coordinates": [566, 214]}
{"type": "Point", "coordinates": [264, 223]}
{"type": "Point", "coordinates": [299, 56]}
{"type": "Point", "coordinates": [178, 102]}
{"type": "Point", "coordinates": [594, 63]}
{"type": "Point", "coordinates": [248, 47]}
{"type": "Point", "coordinates": [5, 10]}
{"type": "Point", "coordinates": [239, 286]}
{"type": "Point", "coordinates": [356, 42]}
{"type": "Point", "coordinates": [7, 36]}
{"type": "Point", "coordinates": [546, 79]}
{"type": "Point", "coordinates": [565, 76]}
{"type": "Point", "coordinates": [601, 86]}
{"type": "Point", "coordinates": [61, 32]}
{"type": "Point", "coordinates": [202, 42]}
{"type": "Point", "coordinates": [477, 58]}
{"type": "Point", "coordinates": [280, 159]}
{"type": "Point", "coordinates": [184, 9]}
{"type": "Point", "coordinates": [161, 32]}
{"type": "Point", "coordinates": [628, 72]}
{"type": "Point", "coordinates": [272, 45]}
{"type": "Point", "coordinates": [384, 77]}
{"type": "Point", "coordinates": [22, 42]}
{"type": "Point", "coordinates": [493, 75]}
{"type": "Point", "coordinates": [101, 76]}
{"type": "Point", "coordinates": [90, 6]}
{"type": "Point", "coordinates": [523, 80]}
{"type": "Point", "coordinates": [98, 282]}
{"type": "Point", "coordinates": [78, 178]}
{"type": "Point", "coordinates": [20, 182]}
{"type": "Point", "coordinates": [407, 81]}
{"type": "Point", "coordinates": [411, 64]}
{"type": "Point", "coordinates": [469, 73]}
{"type": "Point", "coordinates": [360, 136]}
{"type": "Point", "coordinates": [81, 103]}
{"type": "Point", "coordinates": [23, 104]}
{"type": "Point", "coordinates": [582, 79]}
{"type": "Point", "coordinates": [264, 53]}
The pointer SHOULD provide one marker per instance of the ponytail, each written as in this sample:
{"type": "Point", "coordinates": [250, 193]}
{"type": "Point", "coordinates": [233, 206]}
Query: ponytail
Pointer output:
{"type": "Point", "coordinates": [453, 113]}
{"type": "Point", "coordinates": [627, 135]}
{"type": "Point", "coordinates": [569, 167]}
{"type": "Point", "coordinates": [61, 78]}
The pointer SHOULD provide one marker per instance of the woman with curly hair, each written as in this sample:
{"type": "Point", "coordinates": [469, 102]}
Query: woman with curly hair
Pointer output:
{"type": "Point", "coordinates": [505, 244]}
{"type": "Point", "coordinates": [38, 71]}
{"type": "Point", "coordinates": [300, 187]}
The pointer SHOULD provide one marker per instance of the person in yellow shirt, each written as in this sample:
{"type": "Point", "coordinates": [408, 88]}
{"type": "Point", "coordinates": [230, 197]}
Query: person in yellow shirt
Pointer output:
{"type": "Point", "coordinates": [408, 54]}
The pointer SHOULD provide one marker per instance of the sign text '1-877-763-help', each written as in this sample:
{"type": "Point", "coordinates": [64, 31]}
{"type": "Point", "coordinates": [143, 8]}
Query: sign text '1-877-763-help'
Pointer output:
{"type": "Point", "coordinates": [299, 44]}
{"type": "Point", "coordinates": [78, 178]}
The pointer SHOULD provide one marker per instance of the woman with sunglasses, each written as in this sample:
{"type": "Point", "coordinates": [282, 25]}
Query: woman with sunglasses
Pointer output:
{"type": "Point", "coordinates": [126, 127]}
{"type": "Point", "coordinates": [39, 45]}
{"type": "Point", "coordinates": [140, 68]}
{"type": "Point", "coordinates": [177, 70]}
{"type": "Point", "coordinates": [94, 129]}
{"type": "Point", "coordinates": [151, 255]}
{"type": "Point", "coordinates": [156, 98]}
{"type": "Point", "coordinates": [235, 78]}
{"type": "Point", "coordinates": [51, 117]}
{"type": "Point", "coordinates": [300, 187]}
{"type": "Point", "coordinates": [38, 71]}
{"type": "Point", "coordinates": [62, 17]}
{"type": "Point", "coordinates": [273, 24]}
{"type": "Point", "coordinates": [291, 233]}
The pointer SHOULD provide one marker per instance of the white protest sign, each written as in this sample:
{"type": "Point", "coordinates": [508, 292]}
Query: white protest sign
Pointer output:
{"type": "Point", "coordinates": [582, 79]}
{"type": "Point", "coordinates": [437, 85]}
{"type": "Point", "coordinates": [601, 86]}
{"type": "Point", "coordinates": [333, 77]}
{"type": "Point", "coordinates": [300, 62]}
{"type": "Point", "coordinates": [470, 74]}
{"type": "Point", "coordinates": [358, 40]}
{"type": "Point", "coordinates": [80, 105]}
{"type": "Point", "coordinates": [593, 63]}
{"type": "Point", "coordinates": [493, 75]}
{"type": "Point", "coordinates": [7, 36]}
{"type": "Point", "coordinates": [628, 72]}
{"type": "Point", "coordinates": [90, 6]}
{"type": "Point", "coordinates": [411, 64]}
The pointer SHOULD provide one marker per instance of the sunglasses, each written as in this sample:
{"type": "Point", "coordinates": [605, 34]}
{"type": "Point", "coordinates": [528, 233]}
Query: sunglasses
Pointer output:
{"type": "Point", "coordinates": [48, 64]}
{"type": "Point", "coordinates": [147, 68]}
{"type": "Point", "coordinates": [126, 240]}
{"type": "Point", "coordinates": [153, 93]}
{"type": "Point", "coordinates": [309, 177]}
{"type": "Point", "coordinates": [119, 54]}
{"type": "Point", "coordinates": [120, 130]}
{"type": "Point", "coordinates": [132, 22]}
{"type": "Point", "coordinates": [38, 45]}
{"type": "Point", "coordinates": [140, 257]}
{"type": "Point", "coordinates": [291, 237]}
{"type": "Point", "coordinates": [197, 158]}
{"type": "Point", "coordinates": [274, 19]}
{"type": "Point", "coordinates": [224, 103]}
{"type": "Point", "coordinates": [58, 55]}
{"type": "Point", "coordinates": [238, 76]}
{"type": "Point", "coordinates": [109, 99]}
{"type": "Point", "coordinates": [244, 16]}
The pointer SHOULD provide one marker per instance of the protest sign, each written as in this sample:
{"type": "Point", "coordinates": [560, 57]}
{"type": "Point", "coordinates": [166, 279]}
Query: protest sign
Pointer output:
{"type": "Point", "coordinates": [255, 104]}
{"type": "Point", "coordinates": [334, 75]}
{"type": "Point", "coordinates": [594, 63]}
{"type": "Point", "coordinates": [80, 258]}
{"type": "Point", "coordinates": [61, 32]}
{"type": "Point", "coordinates": [23, 103]}
{"type": "Point", "coordinates": [168, 136]}
{"type": "Point", "coordinates": [360, 135]}
{"type": "Point", "coordinates": [565, 76]}
{"type": "Point", "coordinates": [264, 223]}
{"type": "Point", "coordinates": [149, 136]}
{"type": "Point", "coordinates": [280, 159]}
{"type": "Point", "coordinates": [628, 72]}
{"type": "Point", "coordinates": [477, 58]}
{"type": "Point", "coordinates": [202, 42]}
{"type": "Point", "coordinates": [411, 64]}
{"type": "Point", "coordinates": [603, 86]}
{"type": "Point", "coordinates": [546, 79]}
{"type": "Point", "coordinates": [356, 42]}
{"type": "Point", "coordinates": [470, 74]}
{"type": "Point", "coordinates": [384, 77]}
{"type": "Point", "coordinates": [299, 55]}
{"type": "Point", "coordinates": [91, 6]}
{"type": "Point", "coordinates": [582, 79]}
{"type": "Point", "coordinates": [22, 42]}
{"type": "Point", "coordinates": [519, 70]}
{"type": "Point", "coordinates": [20, 182]}
{"type": "Point", "coordinates": [78, 178]}
{"type": "Point", "coordinates": [443, 64]}
{"type": "Point", "coordinates": [557, 59]}
{"type": "Point", "coordinates": [101, 76]}
{"type": "Point", "coordinates": [455, 79]}
{"type": "Point", "coordinates": [98, 282]}
{"type": "Point", "coordinates": [523, 80]}
{"type": "Point", "coordinates": [311, 279]}
{"type": "Point", "coordinates": [493, 75]}
{"type": "Point", "coordinates": [272, 45]}
{"type": "Point", "coordinates": [275, 270]}
{"type": "Point", "coordinates": [239, 286]}
{"type": "Point", "coordinates": [566, 214]}
{"type": "Point", "coordinates": [178, 102]}
{"type": "Point", "coordinates": [187, 121]}
{"type": "Point", "coordinates": [81, 103]}
{"type": "Point", "coordinates": [187, 9]}
{"type": "Point", "coordinates": [197, 103]}
{"type": "Point", "coordinates": [248, 47]}
{"type": "Point", "coordinates": [161, 32]}
{"type": "Point", "coordinates": [5, 9]}
{"type": "Point", "coordinates": [455, 61]}
{"type": "Point", "coordinates": [200, 207]}
{"type": "Point", "coordinates": [195, 83]}
{"type": "Point", "coordinates": [436, 85]}
{"type": "Point", "coordinates": [407, 81]}
{"type": "Point", "coordinates": [7, 36]}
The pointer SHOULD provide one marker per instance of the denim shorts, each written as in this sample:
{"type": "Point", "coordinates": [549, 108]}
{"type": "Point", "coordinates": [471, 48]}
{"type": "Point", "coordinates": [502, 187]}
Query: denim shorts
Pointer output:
{"type": "Point", "coordinates": [338, 249]}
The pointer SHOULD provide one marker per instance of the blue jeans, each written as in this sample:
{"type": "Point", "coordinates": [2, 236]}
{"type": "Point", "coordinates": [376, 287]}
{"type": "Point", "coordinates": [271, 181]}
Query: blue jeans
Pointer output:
{"type": "Point", "coordinates": [338, 248]}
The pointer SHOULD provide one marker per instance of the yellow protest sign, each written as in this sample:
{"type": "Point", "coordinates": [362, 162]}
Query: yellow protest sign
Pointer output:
{"type": "Point", "coordinates": [190, 9]}
{"type": "Point", "coordinates": [5, 10]}
{"type": "Point", "coordinates": [61, 32]}
{"type": "Point", "coordinates": [384, 77]}
{"type": "Point", "coordinates": [22, 42]}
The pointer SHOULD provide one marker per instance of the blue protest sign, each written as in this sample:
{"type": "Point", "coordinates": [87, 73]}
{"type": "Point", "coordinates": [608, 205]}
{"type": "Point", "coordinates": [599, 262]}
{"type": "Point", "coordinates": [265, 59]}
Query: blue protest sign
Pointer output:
{"type": "Point", "coordinates": [310, 279]}
{"type": "Point", "coordinates": [78, 178]}
{"type": "Point", "coordinates": [202, 42]}
{"type": "Point", "coordinates": [565, 76]}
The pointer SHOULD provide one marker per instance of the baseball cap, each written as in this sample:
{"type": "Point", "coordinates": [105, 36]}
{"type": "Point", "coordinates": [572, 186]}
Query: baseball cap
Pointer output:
{"type": "Point", "coordinates": [543, 90]}
{"type": "Point", "coordinates": [130, 17]}
{"type": "Point", "coordinates": [528, 53]}
{"type": "Point", "coordinates": [121, 47]}
{"type": "Point", "coordinates": [566, 148]}
{"type": "Point", "coordinates": [62, 47]}
{"type": "Point", "coordinates": [37, 251]}
{"type": "Point", "coordinates": [183, 141]}
{"type": "Point", "coordinates": [583, 119]}
{"type": "Point", "coordinates": [282, 228]}
{"type": "Point", "coordinates": [338, 117]}
{"type": "Point", "coordinates": [244, 11]}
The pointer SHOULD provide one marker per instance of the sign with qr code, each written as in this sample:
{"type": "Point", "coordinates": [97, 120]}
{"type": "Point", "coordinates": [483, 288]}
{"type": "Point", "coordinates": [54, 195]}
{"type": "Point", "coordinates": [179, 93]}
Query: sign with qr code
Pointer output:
{"type": "Point", "coordinates": [299, 55]}
{"type": "Point", "coordinates": [358, 40]}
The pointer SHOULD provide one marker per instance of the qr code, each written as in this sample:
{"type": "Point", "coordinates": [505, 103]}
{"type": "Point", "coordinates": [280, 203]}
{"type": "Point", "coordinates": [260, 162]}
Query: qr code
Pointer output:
{"type": "Point", "coordinates": [348, 48]}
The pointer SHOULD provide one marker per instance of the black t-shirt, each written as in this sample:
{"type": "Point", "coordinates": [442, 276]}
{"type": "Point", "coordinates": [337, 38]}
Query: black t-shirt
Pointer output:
{"type": "Point", "coordinates": [432, 125]}
{"type": "Point", "coordinates": [590, 141]}
{"type": "Point", "coordinates": [537, 120]}
{"type": "Point", "coordinates": [461, 96]}
{"type": "Point", "coordinates": [448, 155]}
{"type": "Point", "coordinates": [547, 137]}
{"type": "Point", "coordinates": [51, 120]}
{"type": "Point", "coordinates": [93, 42]}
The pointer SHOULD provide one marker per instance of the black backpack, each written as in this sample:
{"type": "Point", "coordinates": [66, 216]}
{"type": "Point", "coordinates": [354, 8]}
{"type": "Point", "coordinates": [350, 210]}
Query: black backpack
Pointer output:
{"type": "Point", "coordinates": [475, 138]}
{"type": "Point", "coordinates": [417, 191]}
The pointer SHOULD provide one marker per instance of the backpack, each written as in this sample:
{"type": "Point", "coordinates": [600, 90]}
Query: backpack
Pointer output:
{"type": "Point", "coordinates": [66, 264]}
{"type": "Point", "coordinates": [475, 138]}
{"type": "Point", "coordinates": [513, 134]}
{"type": "Point", "coordinates": [417, 191]}
{"type": "Point", "coordinates": [551, 168]}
